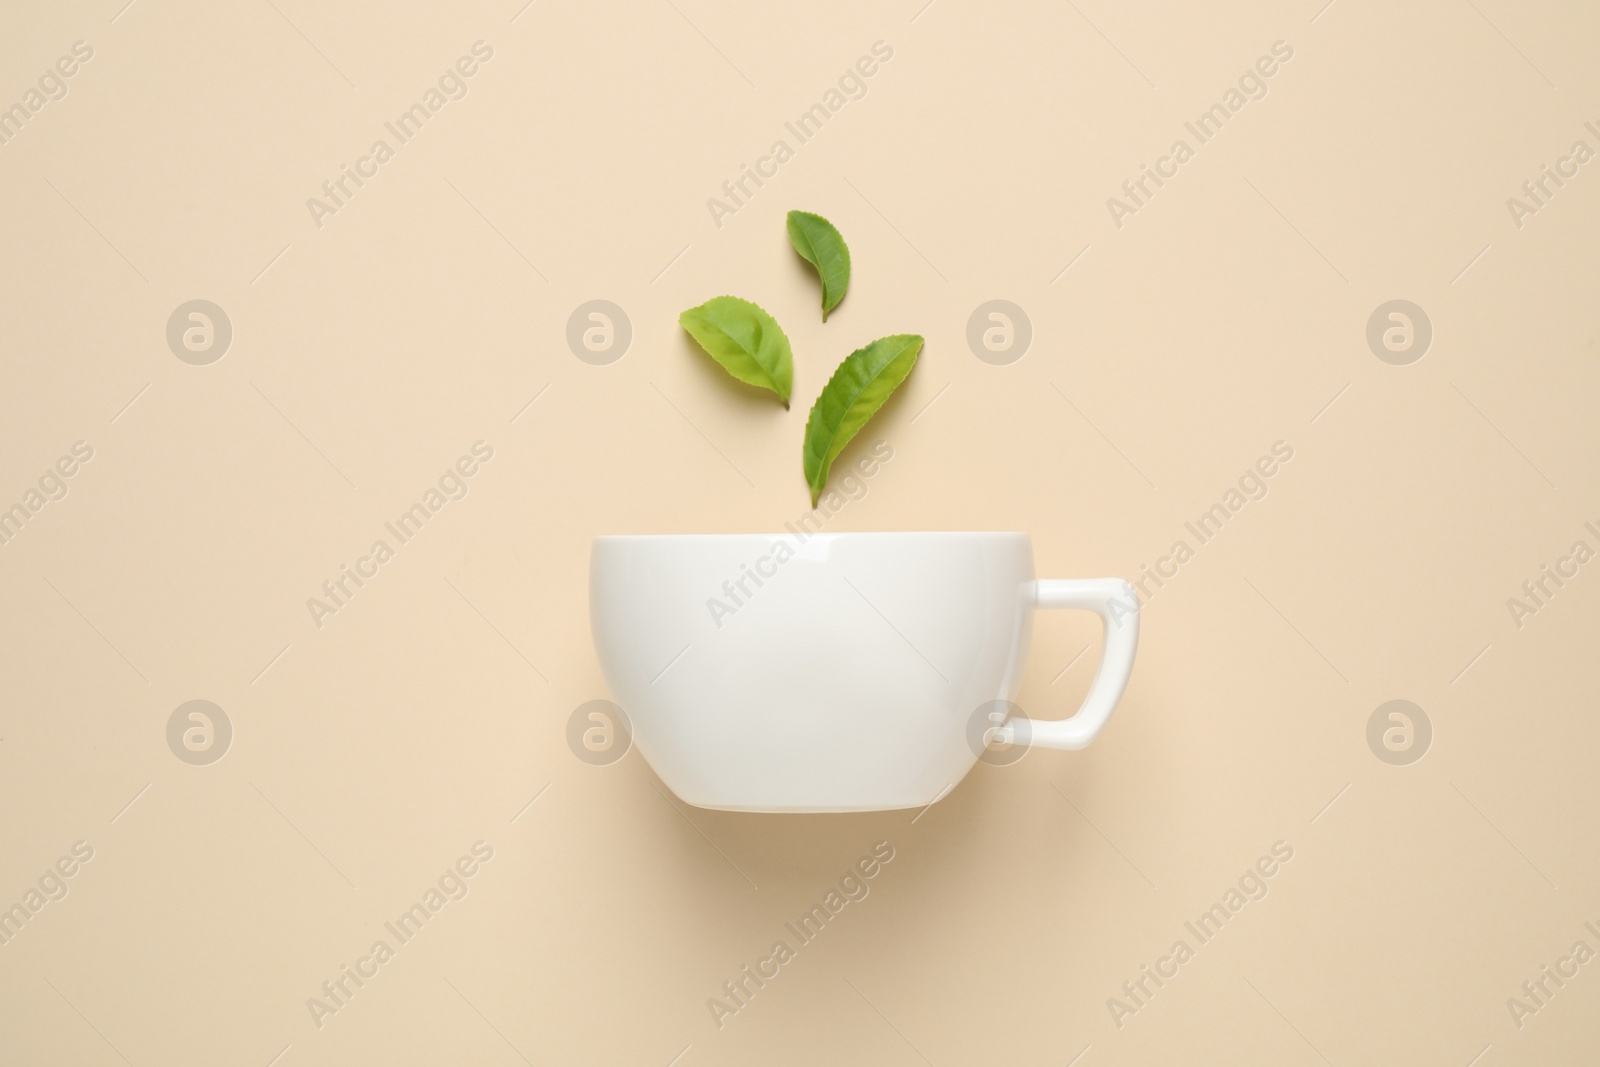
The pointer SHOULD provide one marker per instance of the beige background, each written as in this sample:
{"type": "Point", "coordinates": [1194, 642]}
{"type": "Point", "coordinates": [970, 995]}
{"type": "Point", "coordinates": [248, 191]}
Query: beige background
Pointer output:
{"type": "Point", "coordinates": [1228, 314]}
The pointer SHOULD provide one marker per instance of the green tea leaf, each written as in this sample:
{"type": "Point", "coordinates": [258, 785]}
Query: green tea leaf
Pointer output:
{"type": "Point", "coordinates": [861, 385]}
{"type": "Point", "coordinates": [820, 245]}
{"type": "Point", "coordinates": [747, 341]}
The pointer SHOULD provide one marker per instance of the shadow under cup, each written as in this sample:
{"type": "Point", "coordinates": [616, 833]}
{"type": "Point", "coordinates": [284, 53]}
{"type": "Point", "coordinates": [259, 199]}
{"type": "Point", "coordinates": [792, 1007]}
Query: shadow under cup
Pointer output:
{"type": "Point", "coordinates": [808, 673]}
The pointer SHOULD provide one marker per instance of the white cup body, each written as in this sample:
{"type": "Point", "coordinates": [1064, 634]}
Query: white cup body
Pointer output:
{"type": "Point", "coordinates": [808, 673]}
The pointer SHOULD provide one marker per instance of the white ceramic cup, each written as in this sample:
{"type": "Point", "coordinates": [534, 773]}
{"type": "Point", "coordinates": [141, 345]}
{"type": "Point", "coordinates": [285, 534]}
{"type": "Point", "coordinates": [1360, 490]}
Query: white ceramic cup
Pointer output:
{"type": "Point", "coordinates": [832, 671]}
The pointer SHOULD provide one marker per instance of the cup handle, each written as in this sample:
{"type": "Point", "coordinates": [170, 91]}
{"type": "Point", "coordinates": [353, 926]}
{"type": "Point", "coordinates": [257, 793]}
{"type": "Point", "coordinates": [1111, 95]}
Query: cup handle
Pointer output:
{"type": "Point", "coordinates": [1114, 600]}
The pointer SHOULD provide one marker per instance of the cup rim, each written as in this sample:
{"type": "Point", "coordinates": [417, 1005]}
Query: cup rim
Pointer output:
{"type": "Point", "coordinates": [868, 534]}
